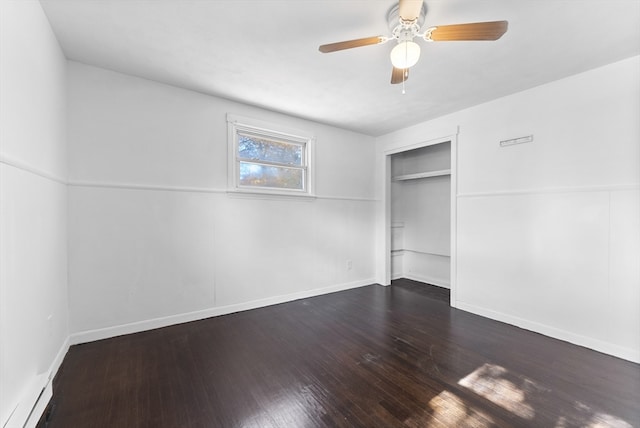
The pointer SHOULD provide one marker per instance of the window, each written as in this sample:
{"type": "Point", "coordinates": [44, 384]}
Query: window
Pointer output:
{"type": "Point", "coordinates": [263, 159]}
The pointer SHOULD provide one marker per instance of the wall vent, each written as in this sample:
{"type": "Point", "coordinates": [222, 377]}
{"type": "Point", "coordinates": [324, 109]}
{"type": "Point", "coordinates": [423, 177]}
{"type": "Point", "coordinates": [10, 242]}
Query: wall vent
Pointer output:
{"type": "Point", "coordinates": [519, 140]}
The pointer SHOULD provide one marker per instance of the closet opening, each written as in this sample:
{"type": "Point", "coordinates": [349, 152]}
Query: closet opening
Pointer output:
{"type": "Point", "coordinates": [420, 213]}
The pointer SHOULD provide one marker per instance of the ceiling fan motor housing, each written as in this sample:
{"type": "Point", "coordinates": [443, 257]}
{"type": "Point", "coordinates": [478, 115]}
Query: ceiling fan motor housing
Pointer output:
{"type": "Point", "coordinates": [402, 30]}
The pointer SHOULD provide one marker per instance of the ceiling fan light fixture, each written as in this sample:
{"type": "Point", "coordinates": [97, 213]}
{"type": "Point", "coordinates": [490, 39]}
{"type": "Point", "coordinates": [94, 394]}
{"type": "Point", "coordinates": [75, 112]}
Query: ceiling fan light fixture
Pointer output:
{"type": "Point", "coordinates": [405, 54]}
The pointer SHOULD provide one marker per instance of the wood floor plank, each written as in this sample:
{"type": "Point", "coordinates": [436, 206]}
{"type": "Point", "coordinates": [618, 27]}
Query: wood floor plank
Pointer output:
{"type": "Point", "coordinates": [375, 356]}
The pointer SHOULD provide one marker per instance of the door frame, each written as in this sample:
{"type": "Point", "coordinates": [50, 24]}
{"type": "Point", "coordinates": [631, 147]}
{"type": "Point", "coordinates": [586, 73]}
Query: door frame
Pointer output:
{"type": "Point", "coordinates": [385, 250]}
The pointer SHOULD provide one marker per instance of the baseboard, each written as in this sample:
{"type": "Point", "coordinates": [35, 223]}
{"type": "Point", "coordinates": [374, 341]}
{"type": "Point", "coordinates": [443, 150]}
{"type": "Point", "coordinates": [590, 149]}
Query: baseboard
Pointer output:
{"type": "Point", "coordinates": [567, 336]}
{"type": "Point", "coordinates": [428, 280]}
{"type": "Point", "coordinates": [105, 333]}
{"type": "Point", "coordinates": [57, 362]}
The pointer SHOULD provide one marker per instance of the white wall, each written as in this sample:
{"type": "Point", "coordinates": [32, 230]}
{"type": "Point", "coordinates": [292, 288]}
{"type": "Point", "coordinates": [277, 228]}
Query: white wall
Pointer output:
{"type": "Point", "coordinates": [548, 233]}
{"type": "Point", "coordinates": [33, 208]}
{"type": "Point", "coordinates": [155, 238]}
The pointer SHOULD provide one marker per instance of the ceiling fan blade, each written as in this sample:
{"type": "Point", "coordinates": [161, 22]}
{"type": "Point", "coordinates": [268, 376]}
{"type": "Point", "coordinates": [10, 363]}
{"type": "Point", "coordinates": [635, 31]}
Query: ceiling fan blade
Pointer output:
{"type": "Point", "coordinates": [332, 47]}
{"type": "Point", "coordinates": [409, 10]}
{"type": "Point", "coordinates": [473, 31]}
{"type": "Point", "coordinates": [399, 75]}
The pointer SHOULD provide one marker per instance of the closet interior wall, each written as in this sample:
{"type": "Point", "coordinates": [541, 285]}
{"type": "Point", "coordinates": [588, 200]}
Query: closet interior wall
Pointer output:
{"type": "Point", "coordinates": [421, 214]}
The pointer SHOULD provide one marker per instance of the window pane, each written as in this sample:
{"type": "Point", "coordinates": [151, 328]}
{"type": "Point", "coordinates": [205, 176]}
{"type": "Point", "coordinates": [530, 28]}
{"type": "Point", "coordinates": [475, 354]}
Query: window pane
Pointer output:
{"type": "Point", "coordinates": [252, 174]}
{"type": "Point", "coordinates": [255, 148]}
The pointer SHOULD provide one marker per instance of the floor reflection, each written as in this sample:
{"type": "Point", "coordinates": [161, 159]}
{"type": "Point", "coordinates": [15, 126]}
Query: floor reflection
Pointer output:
{"type": "Point", "coordinates": [490, 381]}
{"type": "Point", "coordinates": [519, 395]}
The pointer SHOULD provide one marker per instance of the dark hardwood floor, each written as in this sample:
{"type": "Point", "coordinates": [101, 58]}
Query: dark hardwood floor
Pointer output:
{"type": "Point", "coordinates": [375, 356]}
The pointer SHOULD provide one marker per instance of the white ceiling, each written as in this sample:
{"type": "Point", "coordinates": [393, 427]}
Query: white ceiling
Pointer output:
{"type": "Point", "coordinates": [265, 52]}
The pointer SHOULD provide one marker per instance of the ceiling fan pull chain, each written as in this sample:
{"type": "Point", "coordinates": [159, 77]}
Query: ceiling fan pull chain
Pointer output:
{"type": "Point", "coordinates": [404, 71]}
{"type": "Point", "coordinates": [403, 79]}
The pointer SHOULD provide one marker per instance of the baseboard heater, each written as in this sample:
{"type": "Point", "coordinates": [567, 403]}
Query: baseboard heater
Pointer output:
{"type": "Point", "coordinates": [28, 411]}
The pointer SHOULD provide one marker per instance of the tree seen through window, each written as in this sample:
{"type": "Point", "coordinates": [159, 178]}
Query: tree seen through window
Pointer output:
{"type": "Point", "coordinates": [270, 163]}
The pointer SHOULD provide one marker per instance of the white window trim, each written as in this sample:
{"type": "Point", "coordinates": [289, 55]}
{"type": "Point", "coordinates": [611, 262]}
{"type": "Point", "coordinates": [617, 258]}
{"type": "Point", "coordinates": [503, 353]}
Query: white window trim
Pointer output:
{"type": "Point", "coordinates": [237, 123]}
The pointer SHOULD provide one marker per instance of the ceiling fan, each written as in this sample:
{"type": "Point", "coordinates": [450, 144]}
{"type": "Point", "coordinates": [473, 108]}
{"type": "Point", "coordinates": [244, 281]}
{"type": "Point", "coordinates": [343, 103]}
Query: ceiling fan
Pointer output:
{"type": "Point", "coordinates": [405, 20]}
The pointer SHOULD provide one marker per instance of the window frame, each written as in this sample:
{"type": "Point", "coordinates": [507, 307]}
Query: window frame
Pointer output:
{"type": "Point", "coordinates": [237, 125]}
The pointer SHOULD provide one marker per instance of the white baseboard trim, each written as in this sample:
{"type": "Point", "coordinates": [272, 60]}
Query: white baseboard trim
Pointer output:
{"type": "Point", "coordinates": [57, 362]}
{"type": "Point", "coordinates": [567, 336]}
{"type": "Point", "coordinates": [429, 280]}
{"type": "Point", "coordinates": [105, 333]}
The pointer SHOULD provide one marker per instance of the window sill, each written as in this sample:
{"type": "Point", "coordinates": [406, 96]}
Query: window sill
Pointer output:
{"type": "Point", "coordinates": [249, 194]}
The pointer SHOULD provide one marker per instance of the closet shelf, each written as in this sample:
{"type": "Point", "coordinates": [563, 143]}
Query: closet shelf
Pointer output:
{"type": "Point", "coordinates": [422, 175]}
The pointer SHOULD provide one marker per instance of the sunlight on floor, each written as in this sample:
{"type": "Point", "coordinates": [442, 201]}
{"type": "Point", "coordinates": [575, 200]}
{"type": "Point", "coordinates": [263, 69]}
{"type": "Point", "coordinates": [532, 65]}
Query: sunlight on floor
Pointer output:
{"type": "Point", "coordinates": [490, 381]}
{"type": "Point", "coordinates": [584, 416]}
{"type": "Point", "coordinates": [451, 411]}
{"type": "Point", "coordinates": [518, 395]}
